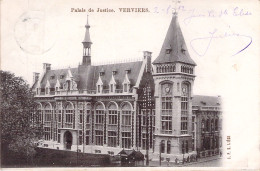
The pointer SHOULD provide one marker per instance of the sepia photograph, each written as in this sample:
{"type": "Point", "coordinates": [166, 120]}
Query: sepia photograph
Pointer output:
{"type": "Point", "coordinates": [108, 84]}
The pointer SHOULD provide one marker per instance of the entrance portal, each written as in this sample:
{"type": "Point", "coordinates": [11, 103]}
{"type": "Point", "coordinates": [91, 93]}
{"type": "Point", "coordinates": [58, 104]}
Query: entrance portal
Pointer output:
{"type": "Point", "coordinates": [68, 140]}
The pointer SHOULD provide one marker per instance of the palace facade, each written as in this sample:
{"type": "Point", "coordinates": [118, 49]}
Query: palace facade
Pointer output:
{"type": "Point", "coordinates": [142, 105]}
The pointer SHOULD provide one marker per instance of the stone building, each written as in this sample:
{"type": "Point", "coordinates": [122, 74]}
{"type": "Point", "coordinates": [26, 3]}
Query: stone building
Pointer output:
{"type": "Point", "coordinates": [137, 105]}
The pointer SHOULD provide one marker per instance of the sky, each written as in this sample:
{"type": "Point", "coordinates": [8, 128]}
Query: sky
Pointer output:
{"type": "Point", "coordinates": [222, 37]}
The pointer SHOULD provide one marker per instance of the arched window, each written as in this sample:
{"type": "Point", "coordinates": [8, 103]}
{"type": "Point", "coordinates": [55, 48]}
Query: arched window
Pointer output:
{"type": "Point", "coordinates": [47, 122]}
{"type": "Point", "coordinates": [168, 147]}
{"type": "Point", "coordinates": [69, 112]}
{"type": "Point", "coordinates": [58, 112]}
{"type": "Point", "coordinates": [212, 125]}
{"type": "Point", "coordinates": [166, 108]}
{"type": "Point", "coordinates": [207, 125]}
{"type": "Point", "coordinates": [203, 125]}
{"type": "Point", "coordinates": [170, 68]}
{"type": "Point", "coordinates": [162, 146]}
{"type": "Point", "coordinates": [216, 125]}
{"type": "Point", "coordinates": [88, 123]}
{"type": "Point", "coordinates": [126, 123]}
{"type": "Point", "coordinates": [99, 124]}
{"type": "Point", "coordinates": [184, 107]}
{"type": "Point", "coordinates": [38, 114]}
{"type": "Point", "coordinates": [112, 125]}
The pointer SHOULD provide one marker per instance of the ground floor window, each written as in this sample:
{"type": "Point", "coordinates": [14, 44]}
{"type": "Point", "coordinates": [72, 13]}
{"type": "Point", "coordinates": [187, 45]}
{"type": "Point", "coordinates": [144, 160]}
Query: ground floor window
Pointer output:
{"type": "Point", "coordinates": [126, 139]}
{"type": "Point", "coordinates": [55, 133]}
{"type": "Point", "coordinates": [99, 137]}
{"type": "Point", "coordinates": [87, 137]}
{"type": "Point", "coordinates": [112, 138]}
{"type": "Point", "coordinates": [47, 133]}
{"type": "Point", "coordinates": [80, 137]}
{"type": "Point", "coordinates": [162, 146]}
{"type": "Point", "coordinates": [59, 136]}
{"type": "Point", "coordinates": [168, 147]}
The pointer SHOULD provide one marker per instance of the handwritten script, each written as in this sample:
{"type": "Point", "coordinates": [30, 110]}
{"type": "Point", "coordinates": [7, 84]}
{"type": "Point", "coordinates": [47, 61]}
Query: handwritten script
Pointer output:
{"type": "Point", "coordinates": [193, 13]}
{"type": "Point", "coordinates": [213, 35]}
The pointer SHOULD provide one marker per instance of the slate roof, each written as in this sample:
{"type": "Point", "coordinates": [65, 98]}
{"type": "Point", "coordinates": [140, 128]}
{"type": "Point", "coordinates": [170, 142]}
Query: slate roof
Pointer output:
{"type": "Point", "coordinates": [89, 75]}
{"type": "Point", "coordinates": [57, 73]}
{"type": "Point", "coordinates": [86, 76]}
{"type": "Point", "coordinates": [174, 40]}
{"type": "Point", "coordinates": [199, 100]}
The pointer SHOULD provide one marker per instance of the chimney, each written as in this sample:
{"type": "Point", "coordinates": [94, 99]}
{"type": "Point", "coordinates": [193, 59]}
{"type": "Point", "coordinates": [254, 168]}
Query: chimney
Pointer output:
{"type": "Point", "coordinates": [35, 77]}
{"type": "Point", "coordinates": [46, 67]}
{"type": "Point", "coordinates": [148, 58]}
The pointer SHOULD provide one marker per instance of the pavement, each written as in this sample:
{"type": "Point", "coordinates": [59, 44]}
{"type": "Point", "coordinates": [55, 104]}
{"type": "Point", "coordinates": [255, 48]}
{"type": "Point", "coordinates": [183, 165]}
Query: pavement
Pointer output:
{"type": "Point", "coordinates": [173, 164]}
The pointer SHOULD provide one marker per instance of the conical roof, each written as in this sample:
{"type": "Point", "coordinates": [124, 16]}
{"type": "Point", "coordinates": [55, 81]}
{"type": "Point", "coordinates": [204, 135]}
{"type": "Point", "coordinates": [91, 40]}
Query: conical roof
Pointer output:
{"type": "Point", "coordinates": [174, 43]}
{"type": "Point", "coordinates": [87, 36]}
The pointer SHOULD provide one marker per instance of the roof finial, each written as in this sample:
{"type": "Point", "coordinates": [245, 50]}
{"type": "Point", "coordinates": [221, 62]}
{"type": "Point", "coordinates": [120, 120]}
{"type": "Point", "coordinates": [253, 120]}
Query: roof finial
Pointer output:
{"type": "Point", "coordinates": [175, 13]}
{"type": "Point", "coordinates": [87, 25]}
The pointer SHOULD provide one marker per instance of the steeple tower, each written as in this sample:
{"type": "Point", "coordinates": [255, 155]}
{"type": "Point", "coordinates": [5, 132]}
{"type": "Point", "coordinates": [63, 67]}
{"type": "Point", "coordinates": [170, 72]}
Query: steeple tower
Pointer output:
{"type": "Point", "coordinates": [87, 46]}
{"type": "Point", "coordinates": [174, 77]}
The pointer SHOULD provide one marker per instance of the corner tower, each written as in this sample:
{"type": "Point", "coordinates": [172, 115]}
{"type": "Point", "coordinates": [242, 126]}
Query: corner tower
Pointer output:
{"type": "Point", "coordinates": [174, 77]}
{"type": "Point", "coordinates": [87, 46]}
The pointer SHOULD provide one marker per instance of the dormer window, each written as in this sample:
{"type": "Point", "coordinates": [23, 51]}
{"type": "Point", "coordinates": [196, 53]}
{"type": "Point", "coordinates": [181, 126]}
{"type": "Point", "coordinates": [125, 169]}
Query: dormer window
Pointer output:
{"type": "Point", "coordinates": [128, 70]}
{"type": "Point", "coordinates": [125, 87]}
{"type": "Point", "coordinates": [168, 50]}
{"type": "Point", "coordinates": [126, 84]}
{"type": "Point", "coordinates": [61, 76]}
{"type": "Point", "coordinates": [101, 73]}
{"type": "Point", "coordinates": [202, 102]}
{"type": "Point", "coordinates": [99, 89]}
{"type": "Point", "coordinates": [183, 51]}
{"type": "Point", "coordinates": [111, 87]}
{"type": "Point", "coordinates": [52, 77]}
{"type": "Point", "coordinates": [114, 72]}
{"type": "Point", "coordinates": [47, 90]}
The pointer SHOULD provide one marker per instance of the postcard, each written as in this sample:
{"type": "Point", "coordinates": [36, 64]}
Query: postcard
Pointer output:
{"type": "Point", "coordinates": [171, 84]}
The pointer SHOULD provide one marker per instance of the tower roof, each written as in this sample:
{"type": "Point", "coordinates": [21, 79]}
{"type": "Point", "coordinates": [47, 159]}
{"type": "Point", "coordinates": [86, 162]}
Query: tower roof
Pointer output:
{"type": "Point", "coordinates": [87, 36]}
{"type": "Point", "coordinates": [174, 48]}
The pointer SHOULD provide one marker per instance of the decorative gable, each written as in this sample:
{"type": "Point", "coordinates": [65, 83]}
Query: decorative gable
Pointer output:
{"type": "Point", "coordinates": [126, 83]}
{"type": "Point", "coordinates": [57, 85]}
{"type": "Point", "coordinates": [112, 84]}
{"type": "Point", "coordinates": [99, 85]}
{"type": "Point", "coordinates": [47, 87]}
{"type": "Point", "coordinates": [70, 83]}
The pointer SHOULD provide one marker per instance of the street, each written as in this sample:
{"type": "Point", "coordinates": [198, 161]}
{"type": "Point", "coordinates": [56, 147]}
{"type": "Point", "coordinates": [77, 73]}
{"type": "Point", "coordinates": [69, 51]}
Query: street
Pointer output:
{"type": "Point", "coordinates": [213, 161]}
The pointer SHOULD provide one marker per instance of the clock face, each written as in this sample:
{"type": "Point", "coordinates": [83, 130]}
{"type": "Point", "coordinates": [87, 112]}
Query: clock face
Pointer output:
{"type": "Point", "coordinates": [184, 90]}
{"type": "Point", "coordinates": [167, 89]}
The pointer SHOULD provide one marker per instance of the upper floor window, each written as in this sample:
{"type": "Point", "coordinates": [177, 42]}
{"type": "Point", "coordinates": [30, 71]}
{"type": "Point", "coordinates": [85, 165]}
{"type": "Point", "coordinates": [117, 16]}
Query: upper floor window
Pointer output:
{"type": "Point", "coordinates": [126, 115]}
{"type": "Point", "coordinates": [69, 112]}
{"type": "Point", "coordinates": [166, 107]}
{"type": "Point", "coordinates": [216, 125]}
